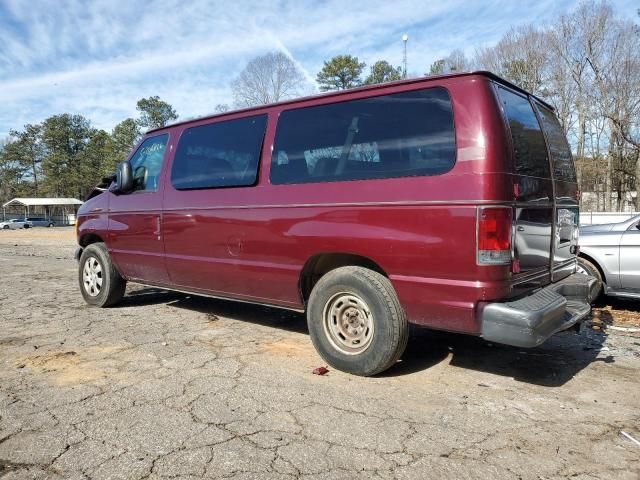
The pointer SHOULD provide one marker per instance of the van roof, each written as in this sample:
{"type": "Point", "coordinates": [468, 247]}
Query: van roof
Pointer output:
{"type": "Point", "coordinates": [338, 93]}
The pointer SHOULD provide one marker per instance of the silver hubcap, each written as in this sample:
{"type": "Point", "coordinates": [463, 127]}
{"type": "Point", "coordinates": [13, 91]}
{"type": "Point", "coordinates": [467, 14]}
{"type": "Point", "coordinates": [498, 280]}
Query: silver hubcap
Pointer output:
{"type": "Point", "coordinates": [92, 276]}
{"type": "Point", "coordinates": [348, 323]}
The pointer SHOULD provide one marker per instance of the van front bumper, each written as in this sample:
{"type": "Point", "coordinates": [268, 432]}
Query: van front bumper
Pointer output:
{"type": "Point", "coordinates": [529, 321]}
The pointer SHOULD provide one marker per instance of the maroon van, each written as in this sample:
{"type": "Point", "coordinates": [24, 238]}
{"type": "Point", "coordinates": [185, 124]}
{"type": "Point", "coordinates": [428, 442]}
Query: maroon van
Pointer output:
{"type": "Point", "coordinates": [449, 202]}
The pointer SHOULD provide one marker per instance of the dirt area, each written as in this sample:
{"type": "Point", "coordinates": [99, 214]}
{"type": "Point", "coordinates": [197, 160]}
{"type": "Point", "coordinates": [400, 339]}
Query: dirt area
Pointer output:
{"type": "Point", "coordinates": [56, 242]}
{"type": "Point", "coordinates": [617, 312]}
{"type": "Point", "coordinates": [169, 385]}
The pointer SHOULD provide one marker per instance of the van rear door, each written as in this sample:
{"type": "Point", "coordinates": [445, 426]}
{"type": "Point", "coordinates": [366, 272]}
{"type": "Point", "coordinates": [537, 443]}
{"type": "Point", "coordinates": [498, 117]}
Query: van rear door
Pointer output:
{"type": "Point", "coordinates": [563, 171]}
{"type": "Point", "coordinates": [546, 211]}
{"type": "Point", "coordinates": [533, 189]}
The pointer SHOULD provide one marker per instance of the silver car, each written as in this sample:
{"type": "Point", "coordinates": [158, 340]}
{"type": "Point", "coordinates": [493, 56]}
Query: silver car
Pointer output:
{"type": "Point", "coordinates": [611, 253]}
{"type": "Point", "coordinates": [15, 224]}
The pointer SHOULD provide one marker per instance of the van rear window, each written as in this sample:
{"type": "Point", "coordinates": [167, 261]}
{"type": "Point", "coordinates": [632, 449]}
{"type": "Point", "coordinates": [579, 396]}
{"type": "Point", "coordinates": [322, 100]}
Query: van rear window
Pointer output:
{"type": "Point", "coordinates": [399, 135]}
{"type": "Point", "coordinates": [529, 148]}
{"type": "Point", "coordinates": [563, 167]}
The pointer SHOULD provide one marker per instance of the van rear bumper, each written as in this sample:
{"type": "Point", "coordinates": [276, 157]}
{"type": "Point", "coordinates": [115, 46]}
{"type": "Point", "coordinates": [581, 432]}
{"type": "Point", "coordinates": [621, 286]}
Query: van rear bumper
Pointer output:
{"type": "Point", "coordinates": [531, 320]}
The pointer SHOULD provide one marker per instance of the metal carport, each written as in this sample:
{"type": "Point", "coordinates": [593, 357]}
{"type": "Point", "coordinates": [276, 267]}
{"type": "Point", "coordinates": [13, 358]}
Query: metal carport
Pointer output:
{"type": "Point", "coordinates": [36, 207]}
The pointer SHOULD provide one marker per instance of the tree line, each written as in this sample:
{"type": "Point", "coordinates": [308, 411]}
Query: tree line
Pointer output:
{"type": "Point", "coordinates": [586, 64]}
{"type": "Point", "coordinates": [275, 76]}
{"type": "Point", "coordinates": [65, 156]}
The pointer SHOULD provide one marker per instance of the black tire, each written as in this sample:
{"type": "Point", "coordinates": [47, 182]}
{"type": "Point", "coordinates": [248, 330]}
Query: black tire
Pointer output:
{"type": "Point", "coordinates": [592, 270]}
{"type": "Point", "coordinates": [389, 330]}
{"type": "Point", "coordinates": [113, 285]}
{"type": "Point", "coordinates": [6, 227]}
{"type": "Point", "coordinates": [50, 225]}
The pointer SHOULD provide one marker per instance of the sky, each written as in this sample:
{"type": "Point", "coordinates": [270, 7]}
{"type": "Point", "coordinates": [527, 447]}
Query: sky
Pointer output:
{"type": "Point", "coordinates": [97, 58]}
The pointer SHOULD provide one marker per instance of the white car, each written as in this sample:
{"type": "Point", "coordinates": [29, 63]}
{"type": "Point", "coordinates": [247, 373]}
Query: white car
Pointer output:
{"type": "Point", "coordinates": [15, 224]}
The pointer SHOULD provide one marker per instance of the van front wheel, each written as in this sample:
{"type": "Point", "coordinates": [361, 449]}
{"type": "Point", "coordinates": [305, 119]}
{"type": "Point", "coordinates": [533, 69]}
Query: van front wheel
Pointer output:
{"type": "Point", "coordinates": [100, 283]}
{"type": "Point", "coordinates": [356, 322]}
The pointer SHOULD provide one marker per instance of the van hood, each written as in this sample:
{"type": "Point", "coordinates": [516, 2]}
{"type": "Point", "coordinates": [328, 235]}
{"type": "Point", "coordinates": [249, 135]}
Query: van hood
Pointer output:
{"type": "Point", "coordinates": [100, 200]}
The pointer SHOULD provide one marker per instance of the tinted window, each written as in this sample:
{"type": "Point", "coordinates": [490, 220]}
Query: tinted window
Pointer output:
{"type": "Point", "coordinates": [222, 154]}
{"type": "Point", "coordinates": [563, 168]}
{"type": "Point", "coordinates": [529, 148]}
{"type": "Point", "coordinates": [147, 162]}
{"type": "Point", "coordinates": [404, 134]}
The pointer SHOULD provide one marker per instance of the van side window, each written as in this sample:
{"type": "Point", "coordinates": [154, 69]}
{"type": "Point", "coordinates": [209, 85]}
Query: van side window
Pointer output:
{"type": "Point", "coordinates": [529, 148]}
{"type": "Point", "coordinates": [221, 154]}
{"type": "Point", "coordinates": [563, 167]}
{"type": "Point", "coordinates": [147, 162]}
{"type": "Point", "coordinates": [400, 135]}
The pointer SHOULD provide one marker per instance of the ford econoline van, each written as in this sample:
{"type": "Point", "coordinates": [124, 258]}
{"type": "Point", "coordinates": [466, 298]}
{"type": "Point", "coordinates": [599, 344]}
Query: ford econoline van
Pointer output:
{"type": "Point", "coordinates": [449, 202]}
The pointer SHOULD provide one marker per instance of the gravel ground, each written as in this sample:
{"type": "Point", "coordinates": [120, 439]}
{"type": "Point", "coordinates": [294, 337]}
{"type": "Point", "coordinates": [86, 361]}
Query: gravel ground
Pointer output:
{"type": "Point", "coordinates": [171, 385]}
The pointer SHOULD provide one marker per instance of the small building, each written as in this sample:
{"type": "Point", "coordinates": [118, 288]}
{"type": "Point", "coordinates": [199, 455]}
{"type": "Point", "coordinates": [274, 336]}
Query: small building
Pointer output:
{"type": "Point", "coordinates": [61, 210]}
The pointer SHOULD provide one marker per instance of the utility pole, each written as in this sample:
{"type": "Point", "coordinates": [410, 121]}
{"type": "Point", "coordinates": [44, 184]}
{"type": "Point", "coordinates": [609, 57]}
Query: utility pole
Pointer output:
{"type": "Point", "coordinates": [405, 37]}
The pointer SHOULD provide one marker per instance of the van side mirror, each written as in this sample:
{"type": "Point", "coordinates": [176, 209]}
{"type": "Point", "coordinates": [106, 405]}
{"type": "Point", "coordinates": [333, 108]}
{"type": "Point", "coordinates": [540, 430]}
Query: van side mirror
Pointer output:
{"type": "Point", "coordinates": [124, 179]}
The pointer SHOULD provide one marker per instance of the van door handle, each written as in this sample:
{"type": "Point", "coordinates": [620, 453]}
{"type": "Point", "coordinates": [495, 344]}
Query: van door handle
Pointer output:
{"type": "Point", "coordinates": [157, 232]}
{"type": "Point", "coordinates": [520, 228]}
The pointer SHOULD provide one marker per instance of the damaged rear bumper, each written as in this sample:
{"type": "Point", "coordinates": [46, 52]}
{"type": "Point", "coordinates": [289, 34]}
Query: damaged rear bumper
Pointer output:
{"type": "Point", "coordinates": [529, 321]}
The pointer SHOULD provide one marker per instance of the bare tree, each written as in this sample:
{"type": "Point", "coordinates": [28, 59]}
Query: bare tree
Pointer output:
{"type": "Point", "coordinates": [520, 56]}
{"type": "Point", "coordinates": [617, 81]}
{"type": "Point", "coordinates": [456, 61]}
{"type": "Point", "coordinates": [602, 56]}
{"type": "Point", "coordinates": [576, 37]}
{"type": "Point", "coordinates": [267, 79]}
{"type": "Point", "coordinates": [221, 108]}
{"type": "Point", "coordinates": [587, 65]}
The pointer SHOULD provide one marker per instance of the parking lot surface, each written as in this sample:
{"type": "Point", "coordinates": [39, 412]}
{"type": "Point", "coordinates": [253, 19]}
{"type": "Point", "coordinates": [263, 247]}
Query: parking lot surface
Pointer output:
{"type": "Point", "coordinates": [169, 385]}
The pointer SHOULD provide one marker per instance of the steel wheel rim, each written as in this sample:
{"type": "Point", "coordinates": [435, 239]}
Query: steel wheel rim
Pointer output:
{"type": "Point", "coordinates": [92, 277]}
{"type": "Point", "coordinates": [348, 323]}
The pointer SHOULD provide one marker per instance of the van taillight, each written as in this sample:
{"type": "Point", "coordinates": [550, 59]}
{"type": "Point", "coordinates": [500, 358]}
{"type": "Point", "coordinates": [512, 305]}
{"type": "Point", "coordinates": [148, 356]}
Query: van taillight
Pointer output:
{"type": "Point", "coordinates": [494, 235]}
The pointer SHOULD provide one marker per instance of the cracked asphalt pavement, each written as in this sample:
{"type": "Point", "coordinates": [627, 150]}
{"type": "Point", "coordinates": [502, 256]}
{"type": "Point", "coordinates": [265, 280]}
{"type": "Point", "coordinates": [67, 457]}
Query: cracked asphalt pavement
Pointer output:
{"type": "Point", "coordinates": [169, 385]}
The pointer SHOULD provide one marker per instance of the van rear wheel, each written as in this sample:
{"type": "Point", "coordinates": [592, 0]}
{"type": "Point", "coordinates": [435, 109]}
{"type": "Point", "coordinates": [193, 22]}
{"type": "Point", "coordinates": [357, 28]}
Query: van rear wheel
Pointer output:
{"type": "Point", "coordinates": [356, 322]}
{"type": "Point", "coordinates": [100, 283]}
